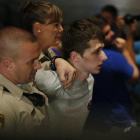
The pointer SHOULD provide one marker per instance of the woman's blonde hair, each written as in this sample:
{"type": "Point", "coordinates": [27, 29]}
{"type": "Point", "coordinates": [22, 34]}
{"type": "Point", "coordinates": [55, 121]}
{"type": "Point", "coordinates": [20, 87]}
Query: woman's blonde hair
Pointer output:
{"type": "Point", "coordinates": [39, 12]}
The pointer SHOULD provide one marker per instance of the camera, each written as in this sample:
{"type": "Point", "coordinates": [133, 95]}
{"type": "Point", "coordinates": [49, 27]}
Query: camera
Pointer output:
{"type": "Point", "coordinates": [129, 19]}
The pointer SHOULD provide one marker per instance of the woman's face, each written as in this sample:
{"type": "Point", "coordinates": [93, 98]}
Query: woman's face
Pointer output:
{"type": "Point", "coordinates": [50, 35]}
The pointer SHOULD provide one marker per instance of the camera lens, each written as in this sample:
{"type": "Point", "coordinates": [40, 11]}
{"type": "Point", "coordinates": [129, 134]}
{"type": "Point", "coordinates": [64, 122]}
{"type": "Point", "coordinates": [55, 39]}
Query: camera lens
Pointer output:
{"type": "Point", "coordinates": [129, 19]}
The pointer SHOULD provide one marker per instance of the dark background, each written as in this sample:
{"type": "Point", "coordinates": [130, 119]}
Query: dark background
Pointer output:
{"type": "Point", "coordinates": [72, 9]}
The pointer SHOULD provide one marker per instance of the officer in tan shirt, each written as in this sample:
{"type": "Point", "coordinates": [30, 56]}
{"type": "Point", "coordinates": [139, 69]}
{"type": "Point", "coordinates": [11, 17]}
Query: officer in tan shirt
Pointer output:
{"type": "Point", "coordinates": [22, 106]}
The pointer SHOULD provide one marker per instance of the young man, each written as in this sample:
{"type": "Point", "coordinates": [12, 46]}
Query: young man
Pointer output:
{"type": "Point", "coordinates": [20, 115]}
{"type": "Point", "coordinates": [68, 109]}
{"type": "Point", "coordinates": [112, 110]}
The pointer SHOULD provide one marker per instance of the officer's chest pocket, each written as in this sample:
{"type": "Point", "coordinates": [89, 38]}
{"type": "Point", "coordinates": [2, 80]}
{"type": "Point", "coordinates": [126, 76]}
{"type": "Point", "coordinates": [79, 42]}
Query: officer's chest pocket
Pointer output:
{"type": "Point", "coordinates": [32, 119]}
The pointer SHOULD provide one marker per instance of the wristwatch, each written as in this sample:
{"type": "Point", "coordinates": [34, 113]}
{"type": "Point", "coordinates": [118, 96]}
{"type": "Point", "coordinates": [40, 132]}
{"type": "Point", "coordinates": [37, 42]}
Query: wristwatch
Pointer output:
{"type": "Point", "coordinates": [52, 63]}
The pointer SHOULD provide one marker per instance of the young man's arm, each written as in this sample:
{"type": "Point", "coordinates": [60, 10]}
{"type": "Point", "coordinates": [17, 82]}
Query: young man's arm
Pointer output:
{"type": "Point", "coordinates": [48, 82]}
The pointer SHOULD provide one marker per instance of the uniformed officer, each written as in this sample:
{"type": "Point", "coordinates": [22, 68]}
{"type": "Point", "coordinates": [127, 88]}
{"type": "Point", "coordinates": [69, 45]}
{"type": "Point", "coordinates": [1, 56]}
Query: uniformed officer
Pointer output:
{"type": "Point", "coordinates": [43, 19]}
{"type": "Point", "coordinates": [22, 106]}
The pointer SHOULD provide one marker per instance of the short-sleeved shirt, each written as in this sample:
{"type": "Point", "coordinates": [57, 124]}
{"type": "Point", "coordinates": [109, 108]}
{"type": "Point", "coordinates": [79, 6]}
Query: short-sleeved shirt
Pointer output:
{"type": "Point", "coordinates": [45, 58]}
{"type": "Point", "coordinates": [68, 109]}
{"type": "Point", "coordinates": [137, 51]}
{"type": "Point", "coordinates": [20, 116]}
{"type": "Point", "coordinates": [111, 102]}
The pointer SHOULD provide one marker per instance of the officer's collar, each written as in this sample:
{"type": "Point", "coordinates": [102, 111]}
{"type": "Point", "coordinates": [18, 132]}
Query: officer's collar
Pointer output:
{"type": "Point", "coordinates": [42, 55]}
{"type": "Point", "coordinates": [15, 90]}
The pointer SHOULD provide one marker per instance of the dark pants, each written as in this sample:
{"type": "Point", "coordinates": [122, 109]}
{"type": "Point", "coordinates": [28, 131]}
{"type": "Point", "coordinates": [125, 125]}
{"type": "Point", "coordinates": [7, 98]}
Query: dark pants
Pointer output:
{"type": "Point", "coordinates": [129, 133]}
{"type": "Point", "coordinates": [111, 133]}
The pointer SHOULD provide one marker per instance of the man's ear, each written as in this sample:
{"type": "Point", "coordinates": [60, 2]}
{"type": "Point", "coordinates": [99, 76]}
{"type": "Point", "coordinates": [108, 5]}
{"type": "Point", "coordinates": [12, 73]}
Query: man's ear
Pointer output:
{"type": "Point", "coordinates": [37, 28]}
{"type": "Point", "coordinates": [75, 56]}
{"type": "Point", "coordinates": [8, 64]}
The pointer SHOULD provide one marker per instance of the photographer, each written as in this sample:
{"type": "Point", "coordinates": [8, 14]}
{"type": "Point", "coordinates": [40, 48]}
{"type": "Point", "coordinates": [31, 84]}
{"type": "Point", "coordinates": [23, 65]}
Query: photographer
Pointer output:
{"type": "Point", "coordinates": [117, 23]}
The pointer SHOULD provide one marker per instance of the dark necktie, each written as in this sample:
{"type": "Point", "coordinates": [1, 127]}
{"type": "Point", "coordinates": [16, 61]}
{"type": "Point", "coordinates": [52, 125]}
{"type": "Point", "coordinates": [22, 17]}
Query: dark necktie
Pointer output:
{"type": "Point", "coordinates": [35, 98]}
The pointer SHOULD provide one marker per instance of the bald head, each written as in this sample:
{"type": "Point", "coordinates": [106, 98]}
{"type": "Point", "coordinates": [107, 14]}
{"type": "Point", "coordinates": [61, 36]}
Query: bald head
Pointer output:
{"type": "Point", "coordinates": [11, 39]}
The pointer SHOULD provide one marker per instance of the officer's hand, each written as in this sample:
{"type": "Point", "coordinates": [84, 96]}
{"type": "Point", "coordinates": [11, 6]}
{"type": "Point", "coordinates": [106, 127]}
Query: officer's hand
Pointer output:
{"type": "Point", "coordinates": [66, 72]}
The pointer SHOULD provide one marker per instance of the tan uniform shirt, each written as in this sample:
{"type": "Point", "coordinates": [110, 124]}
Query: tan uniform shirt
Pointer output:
{"type": "Point", "coordinates": [45, 59]}
{"type": "Point", "coordinates": [18, 115]}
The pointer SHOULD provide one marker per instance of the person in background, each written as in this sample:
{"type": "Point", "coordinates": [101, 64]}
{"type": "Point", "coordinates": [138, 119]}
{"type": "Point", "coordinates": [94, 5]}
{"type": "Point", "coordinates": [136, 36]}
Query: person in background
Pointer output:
{"type": "Point", "coordinates": [112, 111]}
{"type": "Point", "coordinates": [22, 106]}
{"type": "Point", "coordinates": [82, 44]}
{"type": "Point", "coordinates": [117, 23]}
{"type": "Point", "coordinates": [43, 19]}
{"type": "Point", "coordinates": [137, 52]}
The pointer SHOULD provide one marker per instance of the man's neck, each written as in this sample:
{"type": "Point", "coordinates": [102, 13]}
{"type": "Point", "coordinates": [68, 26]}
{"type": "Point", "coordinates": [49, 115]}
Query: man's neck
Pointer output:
{"type": "Point", "coordinates": [80, 74]}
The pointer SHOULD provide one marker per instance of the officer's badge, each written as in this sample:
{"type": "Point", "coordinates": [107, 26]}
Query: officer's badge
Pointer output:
{"type": "Point", "coordinates": [2, 121]}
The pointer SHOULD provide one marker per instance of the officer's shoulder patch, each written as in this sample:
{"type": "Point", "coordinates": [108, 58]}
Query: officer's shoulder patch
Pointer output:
{"type": "Point", "coordinates": [2, 121]}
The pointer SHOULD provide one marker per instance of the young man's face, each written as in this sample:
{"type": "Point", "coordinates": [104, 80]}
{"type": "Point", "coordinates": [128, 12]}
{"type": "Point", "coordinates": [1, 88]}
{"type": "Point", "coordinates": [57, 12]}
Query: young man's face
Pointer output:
{"type": "Point", "coordinates": [93, 57]}
{"type": "Point", "coordinates": [25, 67]}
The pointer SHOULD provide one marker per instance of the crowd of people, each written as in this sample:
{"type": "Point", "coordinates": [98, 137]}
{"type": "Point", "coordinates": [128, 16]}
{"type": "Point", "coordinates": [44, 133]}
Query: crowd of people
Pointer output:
{"type": "Point", "coordinates": [76, 82]}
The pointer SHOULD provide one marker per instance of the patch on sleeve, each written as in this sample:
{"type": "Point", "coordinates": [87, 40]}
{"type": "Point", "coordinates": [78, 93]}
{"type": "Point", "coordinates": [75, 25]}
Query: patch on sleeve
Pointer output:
{"type": "Point", "coordinates": [2, 121]}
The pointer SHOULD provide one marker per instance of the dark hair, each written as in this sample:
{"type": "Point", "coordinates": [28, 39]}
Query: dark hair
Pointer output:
{"type": "Point", "coordinates": [111, 9]}
{"type": "Point", "coordinates": [76, 36]}
{"type": "Point", "coordinates": [98, 21]}
{"type": "Point", "coordinates": [39, 12]}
